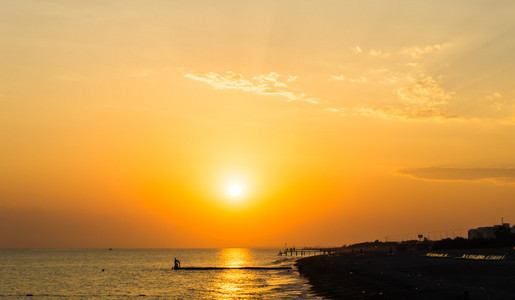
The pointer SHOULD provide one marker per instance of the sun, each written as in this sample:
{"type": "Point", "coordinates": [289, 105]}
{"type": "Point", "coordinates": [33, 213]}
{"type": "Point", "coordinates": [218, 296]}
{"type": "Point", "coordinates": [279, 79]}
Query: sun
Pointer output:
{"type": "Point", "coordinates": [235, 190]}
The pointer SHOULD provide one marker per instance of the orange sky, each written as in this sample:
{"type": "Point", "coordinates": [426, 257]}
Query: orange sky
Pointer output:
{"type": "Point", "coordinates": [123, 124]}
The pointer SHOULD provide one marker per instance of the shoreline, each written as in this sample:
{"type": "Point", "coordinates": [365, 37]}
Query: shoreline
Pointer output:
{"type": "Point", "coordinates": [412, 275]}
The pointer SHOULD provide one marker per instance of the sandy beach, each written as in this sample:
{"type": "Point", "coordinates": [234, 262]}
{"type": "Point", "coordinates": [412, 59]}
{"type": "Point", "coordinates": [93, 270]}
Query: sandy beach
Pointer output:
{"type": "Point", "coordinates": [412, 275]}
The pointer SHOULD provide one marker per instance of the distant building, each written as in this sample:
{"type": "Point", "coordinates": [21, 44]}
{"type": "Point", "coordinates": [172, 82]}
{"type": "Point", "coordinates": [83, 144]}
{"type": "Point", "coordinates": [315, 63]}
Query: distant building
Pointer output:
{"type": "Point", "coordinates": [488, 232]}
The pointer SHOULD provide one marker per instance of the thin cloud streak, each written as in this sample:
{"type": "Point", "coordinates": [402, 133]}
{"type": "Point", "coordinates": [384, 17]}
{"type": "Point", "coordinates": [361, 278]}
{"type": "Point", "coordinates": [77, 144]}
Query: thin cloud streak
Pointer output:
{"type": "Point", "coordinates": [408, 113]}
{"type": "Point", "coordinates": [419, 52]}
{"type": "Point", "coordinates": [498, 175]}
{"type": "Point", "coordinates": [263, 84]}
{"type": "Point", "coordinates": [342, 77]}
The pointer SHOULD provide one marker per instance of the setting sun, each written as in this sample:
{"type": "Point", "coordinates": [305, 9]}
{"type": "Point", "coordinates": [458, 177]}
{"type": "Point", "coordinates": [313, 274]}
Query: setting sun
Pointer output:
{"type": "Point", "coordinates": [235, 190]}
{"type": "Point", "coordinates": [198, 122]}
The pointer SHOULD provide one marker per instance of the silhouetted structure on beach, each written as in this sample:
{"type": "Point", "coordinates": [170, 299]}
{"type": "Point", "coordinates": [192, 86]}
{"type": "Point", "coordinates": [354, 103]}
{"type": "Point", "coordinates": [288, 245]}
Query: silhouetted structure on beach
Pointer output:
{"type": "Point", "coordinates": [490, 231]}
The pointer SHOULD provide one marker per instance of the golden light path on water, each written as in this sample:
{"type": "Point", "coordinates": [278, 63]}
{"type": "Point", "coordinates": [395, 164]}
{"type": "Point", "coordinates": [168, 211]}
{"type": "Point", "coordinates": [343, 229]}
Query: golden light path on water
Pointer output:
{"type": "Point", "coordinates": [99, 273]}
{"type": "Point", "coordinates": [235, 257]}
{"type": "Point", "coordinates": [235, 283]}
{"type": "Point", "coordinates": [244, 284]}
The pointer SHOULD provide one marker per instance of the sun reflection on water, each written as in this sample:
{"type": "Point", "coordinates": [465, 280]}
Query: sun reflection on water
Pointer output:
{"type": "Point", "coordinates": [235, 257]}
{"type": "Point", "coordinates": [233, 284]}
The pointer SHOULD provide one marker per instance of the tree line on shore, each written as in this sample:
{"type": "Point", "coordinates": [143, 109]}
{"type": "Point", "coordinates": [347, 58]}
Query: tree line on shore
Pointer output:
{"type": "Point", "coordinates": [503, 238]}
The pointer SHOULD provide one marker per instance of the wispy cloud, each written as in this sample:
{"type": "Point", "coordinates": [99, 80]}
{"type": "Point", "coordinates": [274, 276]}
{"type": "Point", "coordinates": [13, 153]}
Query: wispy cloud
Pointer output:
{"type": "Point", "coordinates": [496, 101]}
{"type": "Point", "coordinates": [263, 84]}
{"type": "Point", "coordinates": [424, 91]}
{"type": "Point", "coordinates": [400, 87]}
{"type": "Point", "coordinates": [408, 113]}
{"type": "Point", "coordinates": [357, 50]}
{"type": "Point", "coordinates": [498, 175]}
{"type": "Point", "coordinates": [419, 52]}
{"type": "Point", "coordinates": [361, 79]}
{"type": "Point", "coordinates": [409, 93]}
{"type": "Point", "coordinates": [422, 99]}
{"type": "Point", "coordinates": [415, 52]}
{"type": "Point", "coordinates": [338, 77]}
{"type": "Point", "coordinates": [390, 78]}
{"type": "Point", "coordinates": [378, 53]}
{"type": "Point", "coordinates": [338, 110]}
{"type": "Point", "coordinates": [371, 52]}
{"type": "Point", "coordinates": [229, 80]}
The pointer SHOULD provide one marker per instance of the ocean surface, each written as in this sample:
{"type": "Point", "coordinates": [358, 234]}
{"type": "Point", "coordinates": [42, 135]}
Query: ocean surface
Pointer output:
{"type": "Point", "coordinates": [147, 274]}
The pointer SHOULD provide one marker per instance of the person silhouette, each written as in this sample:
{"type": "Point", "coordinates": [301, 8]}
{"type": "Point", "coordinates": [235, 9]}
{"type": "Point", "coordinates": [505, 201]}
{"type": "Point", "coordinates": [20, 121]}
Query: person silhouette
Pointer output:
{"type": "Point", "coordinates": [176, 264]}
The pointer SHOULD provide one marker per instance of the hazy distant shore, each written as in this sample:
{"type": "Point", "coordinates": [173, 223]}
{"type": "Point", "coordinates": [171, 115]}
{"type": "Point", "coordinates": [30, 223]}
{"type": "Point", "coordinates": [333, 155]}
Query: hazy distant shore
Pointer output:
{"type": "Point", "coordinates": [411, 275]}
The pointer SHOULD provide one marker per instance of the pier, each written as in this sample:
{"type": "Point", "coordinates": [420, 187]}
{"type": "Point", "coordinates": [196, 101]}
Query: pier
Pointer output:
{"type": "Point", "coordinates": [232, 268]}
{"type": "Point", "coordinates": [303, 252]}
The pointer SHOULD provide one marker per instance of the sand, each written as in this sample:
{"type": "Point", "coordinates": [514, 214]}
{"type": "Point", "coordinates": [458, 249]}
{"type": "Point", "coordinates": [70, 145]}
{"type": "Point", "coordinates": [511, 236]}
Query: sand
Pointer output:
{"type": "Point", "coordinates": [411, 275]}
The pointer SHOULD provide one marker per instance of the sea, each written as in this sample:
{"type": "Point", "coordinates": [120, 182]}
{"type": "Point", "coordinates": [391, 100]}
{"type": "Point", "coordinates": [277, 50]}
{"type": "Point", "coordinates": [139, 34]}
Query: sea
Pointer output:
{"type": "Point", "coordinates": [148, 274]}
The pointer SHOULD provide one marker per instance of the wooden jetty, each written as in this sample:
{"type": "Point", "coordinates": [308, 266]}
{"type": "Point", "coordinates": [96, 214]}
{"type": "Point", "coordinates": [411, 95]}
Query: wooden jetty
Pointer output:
{"type": "Point", "coordinates": [302, 252]}
{"type": "Point", "coordinates": [232, 268]}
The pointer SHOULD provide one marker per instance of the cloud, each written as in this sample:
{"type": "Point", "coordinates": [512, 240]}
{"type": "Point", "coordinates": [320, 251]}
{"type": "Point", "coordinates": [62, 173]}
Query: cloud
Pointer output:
{"type": "Point", "coordinates": [340, 110]}
{"type": "Point", "coordinates": [357, 50]}
{"type": "Point", "coordinates": [419, 52]}
{"type": "Point", "coordinates": [382, 70]}
{"type": "Point", "coordinates": [408, 93]}
{"type": "Point", "coordinates": [263, 84]}
{"type": "Point", "coordinates": [228, 81]}
{"type": "Point", "coordinates": [391, 78]}
{"type": "Point", "coordinates": [291, 78]}
{"type": "Point", "coordinates": [408, 113]}
{"type": "Point", "coordinates": [338, 77]}
{"type": "Point", "coordinates": [424, 91]}
{"type": "Point", "coordinates": [496, 102]}
{"type": "Point", "coordinates": [499, 175]}
{"type": "Point", "coordinates": [386, 76]}
{"type": "Point", "coordinates": [378, 53]}
{"type": "Point", "coordinates": [361, 79]}
{"type": "Point", "coordinates": [423, 99]}
{"type": "Point", "coordinates": [272, 78]}
{"type": "Point", "coordinates": [371, 52]}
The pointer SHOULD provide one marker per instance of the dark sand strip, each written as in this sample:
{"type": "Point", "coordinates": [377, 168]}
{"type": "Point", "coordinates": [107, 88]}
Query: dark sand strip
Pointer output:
{"type": "Point", "coordinates": [411, 275]}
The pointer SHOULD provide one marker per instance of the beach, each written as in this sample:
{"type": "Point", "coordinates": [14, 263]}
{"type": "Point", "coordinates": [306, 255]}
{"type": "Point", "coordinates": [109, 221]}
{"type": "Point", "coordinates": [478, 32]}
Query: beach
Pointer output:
{"type": "Point", "coordinates": [412, 274]}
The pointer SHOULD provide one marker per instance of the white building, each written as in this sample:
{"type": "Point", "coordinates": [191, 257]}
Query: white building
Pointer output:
{"type": "Point", "coordinates": [487, 232]}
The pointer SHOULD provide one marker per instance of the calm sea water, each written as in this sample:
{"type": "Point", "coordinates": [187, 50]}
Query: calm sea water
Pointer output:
{"type": "Point", "coordinates": [147, 274]}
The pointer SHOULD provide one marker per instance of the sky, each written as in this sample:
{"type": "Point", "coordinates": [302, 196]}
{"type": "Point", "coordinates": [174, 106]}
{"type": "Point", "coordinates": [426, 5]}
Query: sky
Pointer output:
{"type": "Point", "coordinates": [124, 123]}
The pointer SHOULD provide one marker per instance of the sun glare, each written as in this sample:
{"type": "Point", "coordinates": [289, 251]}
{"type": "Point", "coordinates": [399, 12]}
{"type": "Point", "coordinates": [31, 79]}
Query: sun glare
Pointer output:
{"type": "Point", "coordinates": [235, 190]}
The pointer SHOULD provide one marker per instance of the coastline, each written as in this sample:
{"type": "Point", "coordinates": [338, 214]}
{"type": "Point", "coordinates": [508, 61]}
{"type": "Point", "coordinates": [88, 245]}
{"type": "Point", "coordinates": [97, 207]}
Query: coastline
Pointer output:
{"type": "Point", "coordinates": [411, 275]}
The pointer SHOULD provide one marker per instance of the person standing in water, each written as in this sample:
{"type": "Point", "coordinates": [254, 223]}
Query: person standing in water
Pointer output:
{"type": "Point", "coordinates": [176, 264]}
